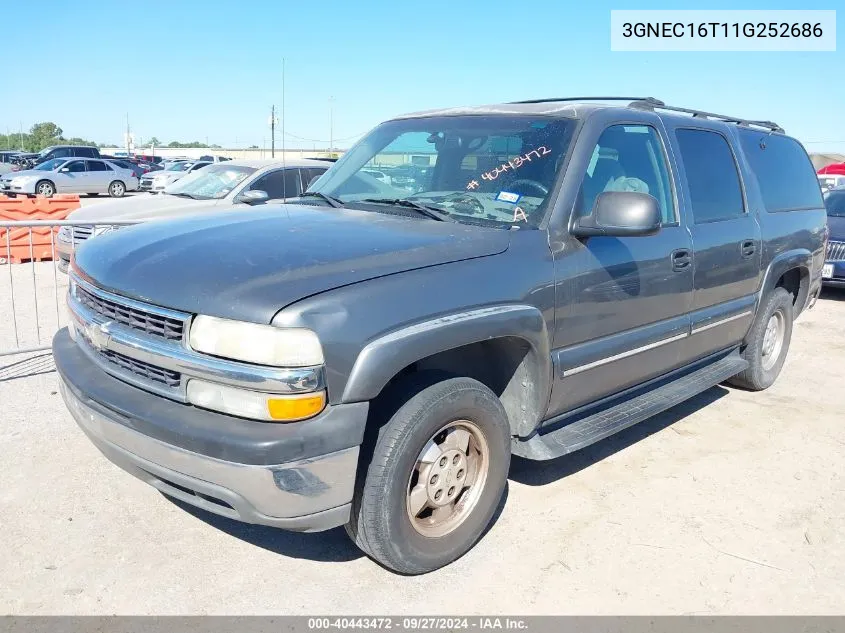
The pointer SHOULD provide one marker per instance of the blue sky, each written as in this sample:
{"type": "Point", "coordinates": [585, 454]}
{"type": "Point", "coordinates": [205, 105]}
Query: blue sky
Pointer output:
{"type": "Point", "coordinates": [191, 70]}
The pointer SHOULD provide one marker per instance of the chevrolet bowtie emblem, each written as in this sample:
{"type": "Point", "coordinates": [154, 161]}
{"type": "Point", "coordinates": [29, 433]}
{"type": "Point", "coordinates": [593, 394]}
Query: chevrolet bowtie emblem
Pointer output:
{"type": "Point", "coordinates": [98, 334]}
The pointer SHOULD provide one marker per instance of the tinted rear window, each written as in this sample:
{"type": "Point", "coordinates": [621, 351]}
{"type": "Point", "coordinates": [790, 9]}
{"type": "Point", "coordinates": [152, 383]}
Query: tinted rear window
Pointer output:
{"type": "Point", "coordinates": [834, 202]}
{"type": "Point", "coordinates": [786, 176]}
{"type": "Point", "coordinates": [712, 175]}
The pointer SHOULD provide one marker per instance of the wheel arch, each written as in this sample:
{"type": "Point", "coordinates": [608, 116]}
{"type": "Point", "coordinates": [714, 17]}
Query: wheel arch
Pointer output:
{"type": "Point", "coordinates": [505, 347]}
{"type": "Point", "coordinates": [789, 270]}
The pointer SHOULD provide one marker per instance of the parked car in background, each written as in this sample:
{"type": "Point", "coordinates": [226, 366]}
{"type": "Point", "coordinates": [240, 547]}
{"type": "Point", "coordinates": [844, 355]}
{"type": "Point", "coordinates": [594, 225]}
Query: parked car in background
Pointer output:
{"type": "Point", "coordinates": [831, 181]}
{"type": "Point", "coordinates": [66, 151]}
{"type": "Point", "coordinates": [70, 175]}
{"type": "Point", "coordinates": [6, 161]}
{"type": "Point", "coordinates": [567, 271]}
{"type": "Point", "coordinates": [149, 159]}
{"type": "Point", "coordinates": [833, 274]}
{"type": "Point", "coordinates": [238, 184]}
{"type": "Point", "coordinates": [139, 169]}
{"type": "Point", "coordinates": [214, 159]}
{"type": "Point", "coordinates": [154, 182]}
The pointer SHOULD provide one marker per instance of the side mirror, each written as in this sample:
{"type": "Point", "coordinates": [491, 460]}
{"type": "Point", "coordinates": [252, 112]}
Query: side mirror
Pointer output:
{"type": "Point", "coordinates": [63, 169]}
{"type": "Point", "coordinates": [620, 214]}
{"type": "Point", "coordinates": [254, 196]}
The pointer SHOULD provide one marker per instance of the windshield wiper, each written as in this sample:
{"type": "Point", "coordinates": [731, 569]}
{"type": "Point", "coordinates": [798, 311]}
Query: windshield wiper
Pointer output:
{"type": "Point", "coordinates": [182, 194]}
{"type": "Point", "coordinates": [423, 209]}
{"type": "Point", "coordinates": [335, 202]}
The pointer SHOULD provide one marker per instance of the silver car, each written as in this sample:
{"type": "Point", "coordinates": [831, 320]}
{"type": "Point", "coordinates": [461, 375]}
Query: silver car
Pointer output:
{"type": "Point", "coordinates": [71, 175]}
{"type": "Point", "coordinates": [156, 181]}
{"type": "Point", "coordinates": [227, 186]}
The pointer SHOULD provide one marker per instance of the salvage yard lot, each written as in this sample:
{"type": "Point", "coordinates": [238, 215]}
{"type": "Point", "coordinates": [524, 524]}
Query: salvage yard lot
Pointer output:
{"type": "Point", "coordinates": [730, 503]}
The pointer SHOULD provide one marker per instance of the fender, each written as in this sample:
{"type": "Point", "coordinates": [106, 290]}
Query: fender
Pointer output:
{"type": "Point", "coordinates": [800, 258]}
{"type": "Point", "coordinates": [384, 357]}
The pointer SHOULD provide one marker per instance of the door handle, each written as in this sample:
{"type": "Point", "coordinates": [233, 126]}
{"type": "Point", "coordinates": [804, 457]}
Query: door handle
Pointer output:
{"type": "Point", "coordinates": [747, 248]}
{"type": "Point", "coordinates": [681, 259]}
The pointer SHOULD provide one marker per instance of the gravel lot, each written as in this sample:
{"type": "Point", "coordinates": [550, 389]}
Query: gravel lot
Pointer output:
{"type": "Point", "coordinates": [730, 503]}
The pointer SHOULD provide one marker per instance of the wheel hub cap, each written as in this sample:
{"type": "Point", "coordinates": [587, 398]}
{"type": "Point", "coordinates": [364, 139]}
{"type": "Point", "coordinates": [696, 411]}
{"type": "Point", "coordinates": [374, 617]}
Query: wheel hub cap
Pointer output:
{"type": "Point", "coordinates": [773, 340]}
{"type": "Point", "coordinates": [447, 479]}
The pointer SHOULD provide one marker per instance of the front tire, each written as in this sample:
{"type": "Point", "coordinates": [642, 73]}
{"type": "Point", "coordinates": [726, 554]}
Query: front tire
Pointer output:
{"type": "Point", "coordinates": [438, 472]}
{"type": "Point", "coordinates": [767, 342]}
{"type": "Point", "coordinates": [117, 189]}
{"type": "Point", "coordinates": [45, 188]}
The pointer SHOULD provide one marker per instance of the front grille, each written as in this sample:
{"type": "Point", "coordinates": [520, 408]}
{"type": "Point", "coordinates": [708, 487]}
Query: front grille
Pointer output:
{"type": "Point", "coordinates": [835, 251]}
{"type": "Point", "coordinates": [149, 322]}
{"type": "Point", "coordinates": [81, 233]}
{"type": "Point", "coordinates": [158, 375]}
{"type": "Point", "coordinates": [146, 183]}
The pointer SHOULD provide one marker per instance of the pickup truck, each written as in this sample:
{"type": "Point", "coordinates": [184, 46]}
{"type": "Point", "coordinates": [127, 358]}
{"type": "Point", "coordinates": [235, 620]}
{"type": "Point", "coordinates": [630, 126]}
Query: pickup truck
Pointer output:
{"type": "Point", "coordinates": [555, 272]}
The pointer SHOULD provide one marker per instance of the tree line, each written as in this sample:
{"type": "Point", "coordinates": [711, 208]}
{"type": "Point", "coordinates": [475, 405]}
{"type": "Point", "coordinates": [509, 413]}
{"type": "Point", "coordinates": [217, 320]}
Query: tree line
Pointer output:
{"type": "Point", "coordinates": [45, 134]}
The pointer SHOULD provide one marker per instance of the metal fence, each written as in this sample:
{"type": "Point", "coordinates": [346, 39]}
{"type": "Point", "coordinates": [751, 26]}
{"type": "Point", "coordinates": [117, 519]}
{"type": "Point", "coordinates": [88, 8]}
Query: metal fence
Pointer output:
{"type": "Point", "coordinates": [33, 284]}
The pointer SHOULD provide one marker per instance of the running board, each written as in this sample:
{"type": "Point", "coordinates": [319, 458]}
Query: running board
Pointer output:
{"type": "Point", "coordinates": [576, 435]}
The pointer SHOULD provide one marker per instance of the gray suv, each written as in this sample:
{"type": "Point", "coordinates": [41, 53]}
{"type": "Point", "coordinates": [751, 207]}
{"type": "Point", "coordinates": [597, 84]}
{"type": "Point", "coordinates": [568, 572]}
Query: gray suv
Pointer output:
{"type": "Point", "coordinates": [543, 275]}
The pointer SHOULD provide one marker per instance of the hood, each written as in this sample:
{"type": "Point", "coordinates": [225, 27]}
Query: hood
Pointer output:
{"type": "Point", "coordinates": [28, 172]}
{"type": "Point", "coordinates": [836, 224]}
{"type": "Point", "coordinates": [249, 265]}
{"type": "Point", "coordinates": [145, 206]}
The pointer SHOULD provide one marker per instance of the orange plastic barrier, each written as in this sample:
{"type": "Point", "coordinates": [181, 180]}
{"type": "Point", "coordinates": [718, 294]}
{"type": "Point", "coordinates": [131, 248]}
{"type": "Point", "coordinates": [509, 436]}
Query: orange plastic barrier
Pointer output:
{"type": "Point", "coordinates": [27, 209]}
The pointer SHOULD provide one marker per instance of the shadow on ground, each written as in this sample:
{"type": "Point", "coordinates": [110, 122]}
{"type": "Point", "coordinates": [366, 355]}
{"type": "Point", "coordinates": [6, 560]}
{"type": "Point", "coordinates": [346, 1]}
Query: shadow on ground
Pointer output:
{"type": "Point", "coordinates": [533, 473]}
{"type": "Point", "coordinates": [832, 294]}
{"type": "Point", "coordinates": [33, 366]}
{"type": "Point", "coordinates": [329, 546]}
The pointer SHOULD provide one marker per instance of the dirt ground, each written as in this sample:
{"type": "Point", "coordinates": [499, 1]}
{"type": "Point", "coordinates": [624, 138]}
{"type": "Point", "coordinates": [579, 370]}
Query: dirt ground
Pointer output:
{"type": "Point", "coordinates": [732, 503]}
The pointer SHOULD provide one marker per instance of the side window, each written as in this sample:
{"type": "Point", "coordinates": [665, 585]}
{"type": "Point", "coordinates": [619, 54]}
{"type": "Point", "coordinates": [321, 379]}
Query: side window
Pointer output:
{"type": "Point", "coordinates": [310, 174]}
{"type": "Point", "coordinates": [97, 165]}
{"type": "Point", "coordinates": [712, 175]}
{"type": "Point", "coordinates": [629, 158]}
{"type": "Point", "coordinates": [76, 167]}
{"type": "Point", "coordinates": [282, 183]}
{"type": "Point", "coordinates": [786, 176]}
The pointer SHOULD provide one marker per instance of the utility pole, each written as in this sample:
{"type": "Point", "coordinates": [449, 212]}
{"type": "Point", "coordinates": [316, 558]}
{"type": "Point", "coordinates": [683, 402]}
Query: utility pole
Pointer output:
{"type": "Point", "coordinates": [283, 111]}
{"type": "Point", "coordinates": [272, 131]}
{"type": "Point", "coordinates": [20, 137]}
{"type": "Point", "coordinates": [331, 125]}
{"type": "Point", "coordinates": [128, 137]}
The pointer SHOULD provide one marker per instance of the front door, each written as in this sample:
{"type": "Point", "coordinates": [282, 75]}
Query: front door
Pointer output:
{"type": "Point", "coordinates": [628, 311]}
{"type": "Point", "coordinates": [74, 179]}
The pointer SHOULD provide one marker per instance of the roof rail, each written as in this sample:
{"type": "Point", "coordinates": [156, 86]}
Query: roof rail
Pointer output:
{"type": "Point", "coordinates": [588, 99]}
{"type": "Point", "coordinates": [650, 103]}
{"type": "Point", "coordinates": [655, 104]}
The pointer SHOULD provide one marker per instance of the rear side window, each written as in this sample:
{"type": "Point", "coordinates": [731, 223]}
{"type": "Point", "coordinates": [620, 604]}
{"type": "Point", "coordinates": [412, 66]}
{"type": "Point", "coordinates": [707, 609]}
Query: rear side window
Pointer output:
{"type": "Point", "coordinates": [784, 172]}
{"type": "Point", "coordinates": [711, 174]}
{"type": "Point", "coordinates": [97, 165]}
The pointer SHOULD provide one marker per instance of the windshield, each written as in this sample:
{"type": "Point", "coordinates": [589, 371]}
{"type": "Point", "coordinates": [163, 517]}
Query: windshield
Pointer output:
{"type": "Point", "coordinates": [46, 151]}
{"type": "Point", "coordinates": [51, 164]}
{"type": "Point", "coordinates": [178, 166]}
{"type": "Point", "coordinates": [493, 168]}
{"type": "Point", "coordinates": [214, 181]}
{"type": "Point", "coordinates": [834, 202]}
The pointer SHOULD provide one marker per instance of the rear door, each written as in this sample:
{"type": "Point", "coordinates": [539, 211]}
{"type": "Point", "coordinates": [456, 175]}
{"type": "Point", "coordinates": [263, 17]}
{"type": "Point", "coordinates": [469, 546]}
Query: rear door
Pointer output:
{"type": "Point", "coordinates": [726, 239]}
{"type": "Point", "coordinates": [99, 176]}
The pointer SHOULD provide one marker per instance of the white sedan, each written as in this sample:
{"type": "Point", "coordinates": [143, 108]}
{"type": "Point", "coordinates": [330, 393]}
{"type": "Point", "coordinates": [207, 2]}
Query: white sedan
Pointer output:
{"type": "Point", "coordinates": [71, 175]}
{"type": "Point", "coordinates": [156, 181]}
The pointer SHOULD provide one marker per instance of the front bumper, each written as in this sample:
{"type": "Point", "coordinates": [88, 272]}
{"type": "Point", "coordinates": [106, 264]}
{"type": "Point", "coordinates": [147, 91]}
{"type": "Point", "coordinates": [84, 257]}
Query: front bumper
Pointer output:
{"type": "Point", "coordinates": [297, 476]}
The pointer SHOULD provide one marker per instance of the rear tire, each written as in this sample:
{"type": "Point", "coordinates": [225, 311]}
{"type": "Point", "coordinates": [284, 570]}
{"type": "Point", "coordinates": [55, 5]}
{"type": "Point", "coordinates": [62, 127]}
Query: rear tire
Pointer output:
{"type": "Point", "coordinates": [117, 189]}
{"type": "Point", "coordinates": [45, 188]}
{"type": "Point", "coordinates": [449, 442]}
{"type": "Point", "coordinates": [767, 342]}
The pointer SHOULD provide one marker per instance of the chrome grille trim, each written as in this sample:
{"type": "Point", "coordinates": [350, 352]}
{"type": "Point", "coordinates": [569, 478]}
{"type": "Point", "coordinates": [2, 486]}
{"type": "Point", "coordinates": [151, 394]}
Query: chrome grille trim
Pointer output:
{"type": "Point", "coordinates": [175, 356]}
{"type": "Point", "coordinates": [152, 320]}
{"type": "Point", "coordinates": [835, 252]}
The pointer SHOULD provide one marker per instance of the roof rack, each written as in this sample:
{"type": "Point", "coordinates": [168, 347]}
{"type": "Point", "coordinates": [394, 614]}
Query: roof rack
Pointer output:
{"type": "Point", "coordinates": [650, 103]}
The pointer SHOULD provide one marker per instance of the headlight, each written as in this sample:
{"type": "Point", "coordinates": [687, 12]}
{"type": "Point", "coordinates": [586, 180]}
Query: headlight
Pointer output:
{"type": "Point", "coordinates": [255, 405]}
{"type": "Point", "coordinates": [254, 343]}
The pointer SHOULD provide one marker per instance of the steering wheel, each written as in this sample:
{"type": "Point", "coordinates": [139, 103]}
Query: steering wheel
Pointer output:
{"type": "Point", "coordinates": [531, 184]}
